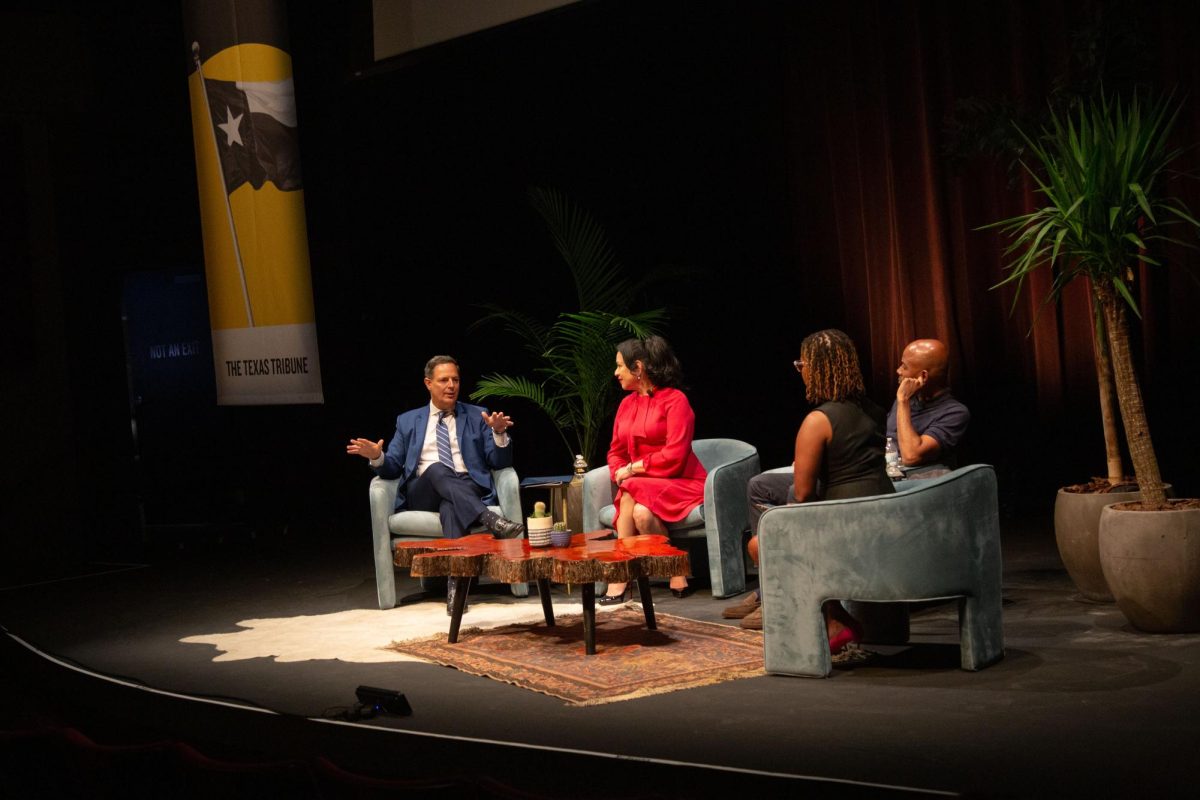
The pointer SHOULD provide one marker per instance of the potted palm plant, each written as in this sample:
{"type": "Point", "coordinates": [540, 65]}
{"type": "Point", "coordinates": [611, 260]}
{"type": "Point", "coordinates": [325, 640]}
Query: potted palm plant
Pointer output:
{"type": "Point", "coordinates": [1105, 49]}
{"type": "Point", "coordinates": [573, 380]}
{"type": "Point", "coordinates": [1102, 170]}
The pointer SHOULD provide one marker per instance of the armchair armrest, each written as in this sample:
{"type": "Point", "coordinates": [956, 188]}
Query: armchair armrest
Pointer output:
{"type": "Point", "coordinates": [726, 518]}
{"type": "Point", "coordinates": [508, 493]}
{"type": "Point", "coordinates": [597, 493]}
{"type": "Point", "coordinates": [382, 493]}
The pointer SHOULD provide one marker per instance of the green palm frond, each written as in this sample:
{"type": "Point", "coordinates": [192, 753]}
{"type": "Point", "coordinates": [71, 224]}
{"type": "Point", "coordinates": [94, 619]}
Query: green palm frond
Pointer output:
{"type": "Point", "coordinates": [508, 387]}
{"type": "Point", "coordinates": [1100, 168]}
{"type": "Point", "coordinates": [573, 381]}
{"type": "Point", "coordinates": [530, 330]}
{"type": "Point", "coordinates": [584, 247]}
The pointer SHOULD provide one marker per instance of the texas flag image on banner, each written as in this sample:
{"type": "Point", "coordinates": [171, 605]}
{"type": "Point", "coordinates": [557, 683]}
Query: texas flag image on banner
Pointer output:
{"type": "Point", "coordinates": [255, 125]}
{"type": "Point", "coordinates": [245, 128]}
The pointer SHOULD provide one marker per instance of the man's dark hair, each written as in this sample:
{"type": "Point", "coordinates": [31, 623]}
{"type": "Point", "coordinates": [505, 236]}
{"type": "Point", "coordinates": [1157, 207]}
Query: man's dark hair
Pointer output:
{"type": "Point", "coordinates": [437, 361]}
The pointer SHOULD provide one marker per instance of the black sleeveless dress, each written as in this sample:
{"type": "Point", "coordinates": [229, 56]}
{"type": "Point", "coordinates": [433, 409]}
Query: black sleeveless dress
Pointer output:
{"type": "Point", "coordinates": [853, 464]}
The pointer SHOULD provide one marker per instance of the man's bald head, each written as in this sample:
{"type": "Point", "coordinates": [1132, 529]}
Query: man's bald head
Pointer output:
{"type": "Point", "coordinates": [930, 356]}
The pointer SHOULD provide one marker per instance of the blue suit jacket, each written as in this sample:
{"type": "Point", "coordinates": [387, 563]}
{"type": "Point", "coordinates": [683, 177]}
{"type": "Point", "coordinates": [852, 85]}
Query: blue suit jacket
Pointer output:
{"type": "Point", "coordinates": [475, 442]}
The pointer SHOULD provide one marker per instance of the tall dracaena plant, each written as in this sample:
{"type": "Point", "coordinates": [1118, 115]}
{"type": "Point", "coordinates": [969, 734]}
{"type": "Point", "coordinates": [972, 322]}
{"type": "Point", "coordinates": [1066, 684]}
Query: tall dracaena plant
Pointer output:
{"type": "Point", "coordinates": [573, 381]}
{"type": "Point", "coordinates": [1102, 170]}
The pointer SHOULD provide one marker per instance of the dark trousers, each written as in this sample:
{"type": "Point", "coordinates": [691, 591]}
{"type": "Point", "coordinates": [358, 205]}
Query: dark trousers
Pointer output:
{"type": "Point", "coordinates": [456, 498]}
{"type": "Point", "coordinates": [766, 490]}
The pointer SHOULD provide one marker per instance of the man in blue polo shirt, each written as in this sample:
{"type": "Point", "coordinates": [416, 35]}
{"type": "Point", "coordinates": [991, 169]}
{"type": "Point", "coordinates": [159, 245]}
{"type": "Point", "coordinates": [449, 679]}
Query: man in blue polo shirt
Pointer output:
{"type": "Point", "coordinates": [926, 421]}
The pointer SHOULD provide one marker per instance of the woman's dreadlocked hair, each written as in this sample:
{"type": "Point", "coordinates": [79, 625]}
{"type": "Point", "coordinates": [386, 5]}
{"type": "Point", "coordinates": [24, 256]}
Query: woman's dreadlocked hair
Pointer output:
{"type": "Point", "coordinates": [833, 371]}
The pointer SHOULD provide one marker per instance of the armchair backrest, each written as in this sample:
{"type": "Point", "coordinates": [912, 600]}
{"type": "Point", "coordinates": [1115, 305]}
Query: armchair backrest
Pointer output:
{"type": "Point", "coordinates": [930, 527]}
{"type": "Point", "coordinates": [712, 452]}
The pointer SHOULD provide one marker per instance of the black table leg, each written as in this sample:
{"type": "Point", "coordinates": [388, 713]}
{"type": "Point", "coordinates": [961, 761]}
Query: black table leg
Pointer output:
{"type": "Point", "coordinates": [460, 602]}
{"type": "Point", "coordinates": [647, 602]}
{"type": "Point", "coordinates": [588, 590]}
{"type": "Point", "coordinates": [543, 585]}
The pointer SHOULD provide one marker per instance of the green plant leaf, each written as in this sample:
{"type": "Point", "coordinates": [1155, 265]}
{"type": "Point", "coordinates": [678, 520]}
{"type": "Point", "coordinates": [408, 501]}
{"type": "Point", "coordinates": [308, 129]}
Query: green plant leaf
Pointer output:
{"type": "Point", "coordinates": [572, 380]}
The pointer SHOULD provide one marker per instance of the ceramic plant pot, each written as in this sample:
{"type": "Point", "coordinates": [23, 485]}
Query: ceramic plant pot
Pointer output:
{"type": "Point", "coordinates": [1077, 531]}
{"type": "Point", "coordinates": [1151, 560]}
{"type": "Point", "coordinates": [539, 529]}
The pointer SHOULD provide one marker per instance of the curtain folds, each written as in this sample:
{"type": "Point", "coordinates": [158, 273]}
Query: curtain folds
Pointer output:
{"type": "Point", "coordinates": [892, 233]}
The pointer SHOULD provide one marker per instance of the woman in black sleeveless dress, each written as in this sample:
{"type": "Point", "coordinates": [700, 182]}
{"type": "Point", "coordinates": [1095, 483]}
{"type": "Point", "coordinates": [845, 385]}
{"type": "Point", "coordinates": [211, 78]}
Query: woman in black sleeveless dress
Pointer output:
{"type": "Point", "coordinates": [839, 447]}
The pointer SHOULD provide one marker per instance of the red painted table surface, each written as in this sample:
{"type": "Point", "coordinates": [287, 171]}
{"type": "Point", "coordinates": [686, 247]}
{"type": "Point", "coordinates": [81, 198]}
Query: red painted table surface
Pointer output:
{"type": "Point", "coordinates": [590, 557]}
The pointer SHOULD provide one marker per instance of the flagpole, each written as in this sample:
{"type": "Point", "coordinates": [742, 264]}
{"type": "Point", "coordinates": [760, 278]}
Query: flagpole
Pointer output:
{"type": "Point", "coordinates": [237, 251]}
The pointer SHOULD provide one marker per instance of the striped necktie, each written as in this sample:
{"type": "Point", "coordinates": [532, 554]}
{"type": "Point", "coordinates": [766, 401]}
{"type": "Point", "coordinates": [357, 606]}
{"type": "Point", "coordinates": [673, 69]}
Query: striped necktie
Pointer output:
{"type": "Point", "coordinates": [445, 455]}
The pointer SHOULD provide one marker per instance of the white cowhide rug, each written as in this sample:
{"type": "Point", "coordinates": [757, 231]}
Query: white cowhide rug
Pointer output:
{"type": "Point", "coordinates": [361, 635]}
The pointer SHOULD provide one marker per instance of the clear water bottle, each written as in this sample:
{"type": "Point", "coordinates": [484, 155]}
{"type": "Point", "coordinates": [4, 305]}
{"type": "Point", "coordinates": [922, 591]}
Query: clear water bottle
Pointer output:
{"type": "Point", "coordinates": [891, 459]}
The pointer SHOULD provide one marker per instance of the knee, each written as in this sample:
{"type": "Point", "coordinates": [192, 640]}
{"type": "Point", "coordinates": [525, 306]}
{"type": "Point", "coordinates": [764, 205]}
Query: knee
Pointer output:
{"type": "Point", "coordinates": [643, 518]}
{"type": "Point", "coordinates": [757, 488]}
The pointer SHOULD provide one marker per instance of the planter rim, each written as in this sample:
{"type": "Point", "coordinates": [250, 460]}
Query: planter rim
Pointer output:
{"type": "Point", "coordinates": [1112, 507]}
{"type": "Point", "coordinates": [1135, 490]}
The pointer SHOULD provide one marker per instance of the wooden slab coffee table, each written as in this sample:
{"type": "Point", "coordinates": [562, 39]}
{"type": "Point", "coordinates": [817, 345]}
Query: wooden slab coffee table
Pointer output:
{"type": "Point", "coordinates": [590, 557]}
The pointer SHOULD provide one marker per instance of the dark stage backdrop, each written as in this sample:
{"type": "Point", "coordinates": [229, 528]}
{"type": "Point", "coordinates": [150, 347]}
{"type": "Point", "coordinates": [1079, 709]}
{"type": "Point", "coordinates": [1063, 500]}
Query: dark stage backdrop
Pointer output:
{"type": "Point", "coordinates": [785, 158]}
{"type": "Point", "coordinates": [788, 157]}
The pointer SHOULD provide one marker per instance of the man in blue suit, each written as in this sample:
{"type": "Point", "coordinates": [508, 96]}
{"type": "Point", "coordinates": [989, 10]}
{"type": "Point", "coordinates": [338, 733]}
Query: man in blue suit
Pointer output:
{"type": "Point", "coordinates": [443, 454]}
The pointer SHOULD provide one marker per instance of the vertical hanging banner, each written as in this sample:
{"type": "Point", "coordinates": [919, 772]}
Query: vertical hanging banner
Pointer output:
{"type": "Point", "coordinates": [260, 299]}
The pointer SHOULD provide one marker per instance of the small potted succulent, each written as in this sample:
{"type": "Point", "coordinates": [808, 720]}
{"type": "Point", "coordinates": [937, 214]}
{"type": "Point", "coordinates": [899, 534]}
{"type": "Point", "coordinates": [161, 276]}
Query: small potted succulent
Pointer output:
{"type": "Point", "coordinates": [538, 525]}
{"type": "Point", "coordinates": [560, 536]}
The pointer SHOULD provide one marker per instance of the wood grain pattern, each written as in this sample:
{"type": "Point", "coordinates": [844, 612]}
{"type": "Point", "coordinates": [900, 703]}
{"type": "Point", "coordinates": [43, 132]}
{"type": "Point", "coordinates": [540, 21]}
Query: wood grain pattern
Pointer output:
{"type": "Point", "coordinates": [589, 557]}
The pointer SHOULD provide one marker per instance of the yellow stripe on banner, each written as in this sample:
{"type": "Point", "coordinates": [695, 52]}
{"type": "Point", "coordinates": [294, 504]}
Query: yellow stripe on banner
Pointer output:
{"type": "Point", "coordinates": [271, 231]}
{"type": "Point", "coordinates": [249, 62]}
{"type": "Point", "coordinates": [270, 224]}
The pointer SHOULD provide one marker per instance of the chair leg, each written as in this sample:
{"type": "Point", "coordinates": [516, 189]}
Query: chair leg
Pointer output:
{"type": "Point", "coordinates": [385, 573]}
{"type": "Point", "coordinates": [795, 641]}
{"type": "Point", "coordinates": [726, 567]}
{"type": "Point", "coordinates": [980, 631]}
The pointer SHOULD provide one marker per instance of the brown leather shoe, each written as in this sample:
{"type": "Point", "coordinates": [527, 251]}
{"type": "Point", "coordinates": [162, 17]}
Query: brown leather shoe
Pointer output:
{"type": "Point", "coordinates": [748, 604]}
{"type": "Point", "coordinates": [753, 620]}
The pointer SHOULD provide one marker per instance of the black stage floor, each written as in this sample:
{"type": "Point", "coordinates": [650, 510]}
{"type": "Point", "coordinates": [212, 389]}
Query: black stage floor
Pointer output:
{"type": "Point", "coordinates": [1081, 703]}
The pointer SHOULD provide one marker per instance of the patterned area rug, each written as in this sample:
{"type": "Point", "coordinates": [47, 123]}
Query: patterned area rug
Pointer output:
{"type": "Point", "coordinates": [630, 661]}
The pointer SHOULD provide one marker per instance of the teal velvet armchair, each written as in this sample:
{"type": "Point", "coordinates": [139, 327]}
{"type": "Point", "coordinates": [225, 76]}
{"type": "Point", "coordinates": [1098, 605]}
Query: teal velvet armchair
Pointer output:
{"type": "Point", "coordinates": [389, 526]}
{"type": "Point", "coordinates": [721, 519]}
{"type": "Point", "coordinates": [933, 539]}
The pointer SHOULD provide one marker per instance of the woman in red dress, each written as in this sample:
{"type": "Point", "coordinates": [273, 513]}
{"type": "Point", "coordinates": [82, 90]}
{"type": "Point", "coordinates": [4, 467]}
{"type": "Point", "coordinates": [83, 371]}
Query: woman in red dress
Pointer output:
{"type": "Point", "coordinates": [659, 478]}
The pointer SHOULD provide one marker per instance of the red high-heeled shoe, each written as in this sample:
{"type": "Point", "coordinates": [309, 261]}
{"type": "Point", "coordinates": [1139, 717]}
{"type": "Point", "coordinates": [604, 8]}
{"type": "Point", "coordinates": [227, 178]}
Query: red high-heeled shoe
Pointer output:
{"type": "Point", "coordinates": [851, 632]}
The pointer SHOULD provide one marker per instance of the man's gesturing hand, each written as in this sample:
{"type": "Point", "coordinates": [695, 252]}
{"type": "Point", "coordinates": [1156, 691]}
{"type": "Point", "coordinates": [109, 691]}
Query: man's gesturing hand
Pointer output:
{"type": "Point", "coordinates": [498, 421]}
{"type": "Point", "coordinates": [365, 448]}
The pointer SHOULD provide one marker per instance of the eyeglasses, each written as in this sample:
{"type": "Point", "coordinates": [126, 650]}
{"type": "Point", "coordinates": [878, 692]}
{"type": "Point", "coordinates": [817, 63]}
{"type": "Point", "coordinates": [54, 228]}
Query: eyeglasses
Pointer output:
{"type": "Point", "coordinates": [798, 364]}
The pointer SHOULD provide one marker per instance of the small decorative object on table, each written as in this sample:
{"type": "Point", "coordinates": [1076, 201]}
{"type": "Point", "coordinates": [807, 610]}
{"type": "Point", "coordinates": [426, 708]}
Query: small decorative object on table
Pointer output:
{"type": "Point", "coordinates": [560, 536]}
{"type": "Point", "coordinates": [538, 525]}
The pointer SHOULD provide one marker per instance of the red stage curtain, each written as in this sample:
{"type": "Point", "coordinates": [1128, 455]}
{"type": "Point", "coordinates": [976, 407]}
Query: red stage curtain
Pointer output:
{"type": "Point", "coordinates": [889, 229]}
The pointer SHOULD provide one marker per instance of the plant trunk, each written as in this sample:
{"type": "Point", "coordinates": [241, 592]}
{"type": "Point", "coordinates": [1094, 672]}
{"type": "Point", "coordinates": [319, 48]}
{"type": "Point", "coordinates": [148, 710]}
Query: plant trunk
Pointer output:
{"type": "Point", "coordinates": [1108, 410]}
{"type": "Point", "coordinates": [1129, 397]}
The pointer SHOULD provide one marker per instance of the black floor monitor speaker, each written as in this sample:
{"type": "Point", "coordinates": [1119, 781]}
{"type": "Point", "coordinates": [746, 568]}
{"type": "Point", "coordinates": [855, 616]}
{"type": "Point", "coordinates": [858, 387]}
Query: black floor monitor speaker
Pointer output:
{"type": "Point", "coordinates": [384, 699]}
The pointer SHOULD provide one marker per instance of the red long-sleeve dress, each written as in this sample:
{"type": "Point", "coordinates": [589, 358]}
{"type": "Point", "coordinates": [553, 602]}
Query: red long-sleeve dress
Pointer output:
{"type": "Point", "coordinates": [657, 430]}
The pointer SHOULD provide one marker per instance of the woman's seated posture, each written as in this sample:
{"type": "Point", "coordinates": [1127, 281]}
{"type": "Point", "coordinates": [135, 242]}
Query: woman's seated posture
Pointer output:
{"type": "Point", "coordinates": [840, 444]}
{"type": "Point", "coordinates": [659, 478]}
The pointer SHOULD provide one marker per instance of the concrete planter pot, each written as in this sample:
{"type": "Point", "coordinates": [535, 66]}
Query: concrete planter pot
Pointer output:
{"type": "Point", "coordinates": [1151, 560]}
{"type": "Point", "coordinates": [1077, 531]}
